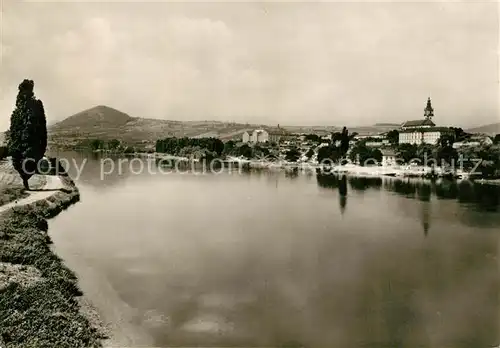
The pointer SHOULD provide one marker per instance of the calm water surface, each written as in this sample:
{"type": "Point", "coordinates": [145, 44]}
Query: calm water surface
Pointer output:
{"type": "Point", "coordinates": [268, 259]}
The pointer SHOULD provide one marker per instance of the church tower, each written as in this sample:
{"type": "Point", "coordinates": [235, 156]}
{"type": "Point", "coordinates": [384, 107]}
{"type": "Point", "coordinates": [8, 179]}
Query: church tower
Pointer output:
{"type": "Point", "coordinates": [429, 111]}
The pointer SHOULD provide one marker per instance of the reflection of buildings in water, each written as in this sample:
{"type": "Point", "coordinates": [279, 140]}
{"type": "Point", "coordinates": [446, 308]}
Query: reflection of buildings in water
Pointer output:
{"type": "Point", "coordinates": [343, 186]}
{"type": "Point", "coordinates": [343, 194]}
{"type": "Point", "coordinates": [472, 200]}
{"type": "Point", "coordinates": [364, 183]}
{"type": "Point", "coordinates": [446, 189]}
{"type": "Point", "coordinates": [405, 188]}
{"type": "Point", "coordinates": [426, 218]}
{"type": "Point", "coordinates": [335, 182]}
{"type": "Point", "coordinates": [292, 173]}
{"type": "Point", "coordinates": [424, 191]}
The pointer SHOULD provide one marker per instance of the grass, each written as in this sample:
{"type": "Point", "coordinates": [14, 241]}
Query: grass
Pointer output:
{"type": "Point", "coordinates": [11, 193]}
{"type": "Point", "coordinates": [44, 313]}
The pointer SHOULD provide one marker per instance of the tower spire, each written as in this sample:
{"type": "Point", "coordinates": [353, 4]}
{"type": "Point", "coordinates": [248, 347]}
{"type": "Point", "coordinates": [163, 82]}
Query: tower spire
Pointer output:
{"type": "Point", "coordinates": [429, 110]}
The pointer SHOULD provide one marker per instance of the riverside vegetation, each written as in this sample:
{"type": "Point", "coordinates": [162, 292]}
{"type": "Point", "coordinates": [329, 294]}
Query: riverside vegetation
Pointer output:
{"type": "Point", "coordinates": [45, 311]}
{"type": "Point", "coordinates": [38, 295]}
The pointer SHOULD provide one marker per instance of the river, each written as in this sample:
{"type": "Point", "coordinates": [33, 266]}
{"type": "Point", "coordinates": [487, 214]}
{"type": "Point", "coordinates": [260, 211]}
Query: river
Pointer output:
{"type": "Point", "coordinates": [273, 259]}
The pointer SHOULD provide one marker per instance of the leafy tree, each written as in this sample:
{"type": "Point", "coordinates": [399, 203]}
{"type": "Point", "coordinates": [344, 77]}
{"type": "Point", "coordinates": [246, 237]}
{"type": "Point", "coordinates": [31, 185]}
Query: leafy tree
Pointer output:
{"type": "Point", "coordinates": [245, 151]}
{"type": "Point", "coordinates": [292, 155]}
{"type": "Point", "coordinates": [393, 137]}
{"type": "Point", "coordinates": [129, 149]}
{"type": "Point", "coordinates": [27, 140]}
{"type": "Point", "coordinates": [447, 154]}
{"type": "Point", "coordinates": [460, 134]}
{"type": "Point", "coordinates": [365, 155]}
{"type": "Point", "coordinates": [336, 137]}
{"type": "Point", "coordinates": [376, 155]}
{"type": "Point", "coordinates": [174, 145]}
{"type": "Point", "coordinates": [228, 147]}
{"type": "Point", "coordinates": [313, 137]}
{"type": "Point", "coordinates": [113, 144]}
{"type": "Point", "coordinates": [446, 140]}
{"type": "Point", "coordinates": [496, 139]}
{"type": "Point", "coordinates": [407, 152]}
{"type": "Point", "coordinates": [310, 153]}
{"type": "Point", "coordinates": [41, 127]}
{"type": "Point", "coordinates": [331, 153]}
{"type": "Point", "coordinates": [96, 144]}
{"type": "Point", "coordinates": [260, 152]}
{"type": "Point", "coordinates": [323, 153]}
{"type": "Point", "coordinates": [426, 153]}
{"type": "Point", "coordinates": [344, 142]}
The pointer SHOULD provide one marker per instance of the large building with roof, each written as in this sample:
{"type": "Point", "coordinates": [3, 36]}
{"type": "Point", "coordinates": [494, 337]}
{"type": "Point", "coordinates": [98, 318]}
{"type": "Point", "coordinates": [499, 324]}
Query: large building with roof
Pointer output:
{"type": "Point", "coordinates": [422, 131]}
{"type": "Point", "coordinates": [266, 135]}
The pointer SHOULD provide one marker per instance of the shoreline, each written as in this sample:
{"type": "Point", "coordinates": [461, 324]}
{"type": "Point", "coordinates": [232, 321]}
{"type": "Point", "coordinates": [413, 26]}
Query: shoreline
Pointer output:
{"type": "Point", "coordinates": [47, 308]}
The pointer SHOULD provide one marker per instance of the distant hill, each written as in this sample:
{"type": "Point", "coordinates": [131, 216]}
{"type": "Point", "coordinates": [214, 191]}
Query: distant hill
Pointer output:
{"type": "Point", "coordinates": [98, 116]}
{"type": "Point", "coordinates": [490, 129]}
{"type": "Point", "coordinates": [395, 125]}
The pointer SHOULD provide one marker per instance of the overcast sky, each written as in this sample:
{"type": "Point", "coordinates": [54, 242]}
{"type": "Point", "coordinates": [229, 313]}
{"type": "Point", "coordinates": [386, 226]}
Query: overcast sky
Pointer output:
{"type": "Point", "coordinates": [288, 63]}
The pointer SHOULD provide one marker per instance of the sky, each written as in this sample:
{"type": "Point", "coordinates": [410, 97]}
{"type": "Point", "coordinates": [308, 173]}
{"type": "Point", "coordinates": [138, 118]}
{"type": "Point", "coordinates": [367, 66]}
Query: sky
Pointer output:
{"type": "Point", "coordinates": [292, 63]}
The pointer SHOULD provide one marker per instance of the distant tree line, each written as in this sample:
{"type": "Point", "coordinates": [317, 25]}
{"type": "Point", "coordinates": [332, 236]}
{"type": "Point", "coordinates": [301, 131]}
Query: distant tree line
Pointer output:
{"type": "Point", "coordinates": [185, 146]}
{"type": "Point", "coordinates": [113, 145]}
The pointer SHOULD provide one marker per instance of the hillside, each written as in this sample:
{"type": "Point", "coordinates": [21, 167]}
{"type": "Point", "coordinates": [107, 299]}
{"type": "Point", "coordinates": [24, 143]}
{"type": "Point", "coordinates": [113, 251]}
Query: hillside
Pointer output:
{"type": "Point", "coordinates": [392, 125]}
{"type": "Point", "coordinates": [490, 129]}
{"type": "Point", "coordinates": [106, 123]}
{"type": "Point", "coordinates": [98, 116]}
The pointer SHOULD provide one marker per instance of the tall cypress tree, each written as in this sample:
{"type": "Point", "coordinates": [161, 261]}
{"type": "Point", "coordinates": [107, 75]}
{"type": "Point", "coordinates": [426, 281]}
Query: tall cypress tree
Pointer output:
{"type": "Point", "coordinates": [28, 132]}
{"type": "Point", "coordinates": [344, 141]}
{"type": "Point", "coordinates": [41, 127]}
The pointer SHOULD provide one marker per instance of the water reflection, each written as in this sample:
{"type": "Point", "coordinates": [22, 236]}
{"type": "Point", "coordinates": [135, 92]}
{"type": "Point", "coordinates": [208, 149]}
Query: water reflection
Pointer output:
{"type": "Point", "coordinates": [343, 194]}
{"type": "Point", "coordinates": [292, 173]}
{"type": "Point", "coordinates": [363, 183]}
{"type": "Point", "coordinates": [473, 205]}
{"type": "Point", "coordinates": [337, 183]}
{"type": "Point", "coordinates": [260, 260]}
{"type": "Point", "coordinates": [483, 197]}
{"type": "Point", "coordinates": [426, 221]}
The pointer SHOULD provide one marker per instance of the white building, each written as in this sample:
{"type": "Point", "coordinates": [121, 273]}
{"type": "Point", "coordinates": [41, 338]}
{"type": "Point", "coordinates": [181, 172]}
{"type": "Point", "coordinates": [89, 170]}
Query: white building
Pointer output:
{"type": "Point", "coordinates": [274, 135]}
{"type": "Point", "coordinates": [422, 131]}
{"type": "Point", "coordinates": [246, 137]}
{"type": "Point", "coordinates": [389, 157]}
{"type": "Point", "coordinates": [257, 136]}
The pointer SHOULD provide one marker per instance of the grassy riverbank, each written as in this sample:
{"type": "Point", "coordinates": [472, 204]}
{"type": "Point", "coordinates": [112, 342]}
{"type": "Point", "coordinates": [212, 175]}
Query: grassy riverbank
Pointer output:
{"type": "Point", "coordinates": [39, 296]}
